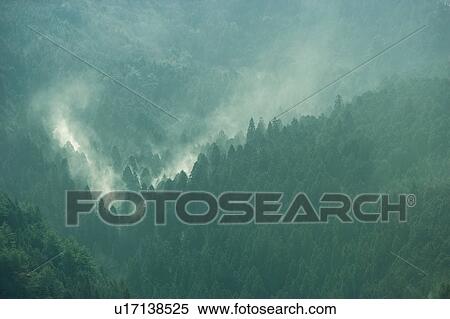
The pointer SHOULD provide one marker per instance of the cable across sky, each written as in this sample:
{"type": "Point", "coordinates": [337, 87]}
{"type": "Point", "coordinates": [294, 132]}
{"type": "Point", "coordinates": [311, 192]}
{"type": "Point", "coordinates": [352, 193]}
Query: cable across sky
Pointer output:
{"type": "Point", "coordinates": [355, 68]}
{"type": "Point", "coordinates": [74, 55]}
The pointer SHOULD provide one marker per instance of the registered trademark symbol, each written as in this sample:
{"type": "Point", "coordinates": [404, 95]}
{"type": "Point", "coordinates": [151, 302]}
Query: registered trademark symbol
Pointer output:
{"type": "Point", "coordinates": [411, 200]}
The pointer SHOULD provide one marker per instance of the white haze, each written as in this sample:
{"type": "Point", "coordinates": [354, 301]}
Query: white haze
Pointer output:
{"type": "Point", "coordinates": [57, 107]}
{"type": "Point", "coordinates": [316, 45]}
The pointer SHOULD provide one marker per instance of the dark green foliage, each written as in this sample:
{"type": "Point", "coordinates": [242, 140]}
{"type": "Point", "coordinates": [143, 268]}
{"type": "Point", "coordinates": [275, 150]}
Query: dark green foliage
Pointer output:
{"type": "Point", "coordinates": [26, 243]}
{"type": "Point", "coordinates": [130, 179]}
{"type": "Point", "coordinates": [213, 64]}
{"type": "Point", "coordinates": [395, 140]}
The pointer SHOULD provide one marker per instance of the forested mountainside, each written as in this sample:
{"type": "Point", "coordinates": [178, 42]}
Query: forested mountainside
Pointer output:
{"type": "Point", "coordinates": [392, 140]}
{"type": "Point", "coordinates": [395, 140]}
{"type": "Point", "coordinates": [210, 64]}
{"type": "Point", "coordinates": [63, 126]}
{"type": "Point", "coordinates": [37, 263]}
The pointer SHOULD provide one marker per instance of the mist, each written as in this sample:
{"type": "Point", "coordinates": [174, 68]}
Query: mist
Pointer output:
{"type": "Point", "coordinates": [214, 65]}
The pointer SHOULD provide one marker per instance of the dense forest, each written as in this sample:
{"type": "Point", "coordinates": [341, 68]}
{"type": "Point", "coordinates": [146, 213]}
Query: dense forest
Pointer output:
{"type": "Point", "coordinates": [225, 69]}
{"type": "Point", "coordinates": [26, 243]}
{"type": "Point", "coordinates": [391, 141]}
{"type": "Point", "coordinates": [394, 140]}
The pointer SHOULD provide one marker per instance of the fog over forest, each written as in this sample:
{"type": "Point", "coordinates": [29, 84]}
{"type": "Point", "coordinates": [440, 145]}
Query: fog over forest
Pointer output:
{"type": "Point", "coordinates": [217, 66]}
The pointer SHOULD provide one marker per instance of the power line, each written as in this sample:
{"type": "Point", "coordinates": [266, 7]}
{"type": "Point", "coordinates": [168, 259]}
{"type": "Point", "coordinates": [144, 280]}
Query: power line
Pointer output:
{"type": "Point", "coordinates": [406, 37]}
{"type": "Point", "coordinates": [409, 263]}
{"type": "Point", "coordinates": [158, 107]}
{"type": "Point", "coordinates": [45, 262]}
